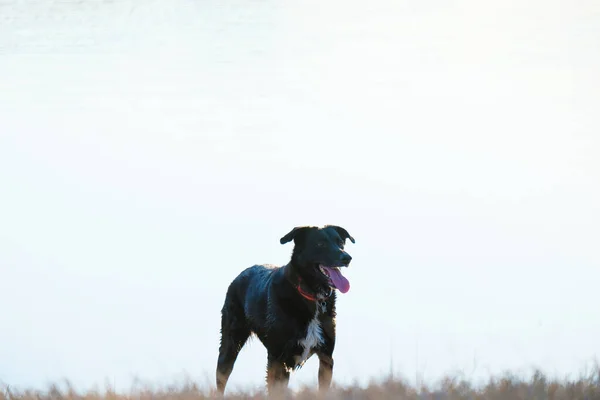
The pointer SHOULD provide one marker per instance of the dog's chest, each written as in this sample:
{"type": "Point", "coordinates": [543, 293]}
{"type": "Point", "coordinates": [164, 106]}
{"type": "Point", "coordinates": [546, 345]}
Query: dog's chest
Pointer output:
{"type": "Point", "coordinates": [312, 339]}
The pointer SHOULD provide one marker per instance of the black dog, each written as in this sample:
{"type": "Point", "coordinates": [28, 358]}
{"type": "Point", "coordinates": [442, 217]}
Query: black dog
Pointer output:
{"type": "Point", "coordinates": [291, 309]}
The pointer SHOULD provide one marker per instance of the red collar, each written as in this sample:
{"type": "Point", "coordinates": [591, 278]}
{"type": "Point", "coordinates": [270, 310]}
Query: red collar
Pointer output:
{"type": "Point", "coordinates": [305, 294]}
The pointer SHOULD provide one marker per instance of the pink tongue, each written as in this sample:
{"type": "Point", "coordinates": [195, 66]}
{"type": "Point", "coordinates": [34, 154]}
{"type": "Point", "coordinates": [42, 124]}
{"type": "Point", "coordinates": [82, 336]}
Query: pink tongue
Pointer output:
{"type": "Point", "coordinates": [338, 280]}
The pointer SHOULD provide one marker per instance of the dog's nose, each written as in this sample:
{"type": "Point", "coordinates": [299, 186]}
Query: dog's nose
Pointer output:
{"type": "Point", "coordinates": [346, 258]}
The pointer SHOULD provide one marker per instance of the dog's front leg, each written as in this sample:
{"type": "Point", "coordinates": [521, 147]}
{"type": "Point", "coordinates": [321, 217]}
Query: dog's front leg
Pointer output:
{"type": "Point", "coordinates": [278, 377]}
{"type": "Point", "coordinates": [325, 370]}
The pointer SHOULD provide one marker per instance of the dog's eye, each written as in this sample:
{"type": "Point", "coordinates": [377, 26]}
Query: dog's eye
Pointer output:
{"type": "Point", "coordinates": [320, 244]}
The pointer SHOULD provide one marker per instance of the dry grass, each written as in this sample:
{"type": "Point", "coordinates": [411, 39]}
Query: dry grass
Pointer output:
{"type": "Point", "coordinates": [502, 388]}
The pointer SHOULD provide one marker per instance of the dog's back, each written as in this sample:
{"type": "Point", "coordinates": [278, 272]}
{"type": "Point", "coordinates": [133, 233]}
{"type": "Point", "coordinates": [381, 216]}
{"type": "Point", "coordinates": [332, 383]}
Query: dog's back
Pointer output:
{"type": "Point", "coordinates": [247, 295]}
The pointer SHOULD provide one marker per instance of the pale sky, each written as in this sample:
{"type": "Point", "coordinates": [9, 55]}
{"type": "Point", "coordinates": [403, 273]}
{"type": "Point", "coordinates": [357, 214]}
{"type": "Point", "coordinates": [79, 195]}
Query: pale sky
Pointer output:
{"type": "Point", "coordinates": [150, 151]}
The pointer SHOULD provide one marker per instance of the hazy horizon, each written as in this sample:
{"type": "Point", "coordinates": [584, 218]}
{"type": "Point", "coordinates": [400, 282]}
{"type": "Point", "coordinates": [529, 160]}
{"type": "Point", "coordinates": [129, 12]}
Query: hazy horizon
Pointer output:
{"type": "Point", "coordinates": [150, 152]}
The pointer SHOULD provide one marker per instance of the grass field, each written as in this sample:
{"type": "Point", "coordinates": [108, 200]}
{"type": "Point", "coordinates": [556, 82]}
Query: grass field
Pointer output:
{"type": "Point", "coordinates": [586, 387]}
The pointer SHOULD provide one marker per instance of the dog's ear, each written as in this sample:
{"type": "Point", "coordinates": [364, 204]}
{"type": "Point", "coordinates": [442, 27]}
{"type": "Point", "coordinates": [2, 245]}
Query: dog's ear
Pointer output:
{"type": "Point", "coordinates": [293, 234]}
{"type": "Point", "coordinates": [342, 232]}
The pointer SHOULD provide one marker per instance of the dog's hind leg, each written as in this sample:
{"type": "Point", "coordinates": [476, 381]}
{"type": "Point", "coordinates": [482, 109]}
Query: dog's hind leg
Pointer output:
{"type": "Point", "coordinates": [234, 333]}
{"type": "Point", "coordinates": [278, 377]}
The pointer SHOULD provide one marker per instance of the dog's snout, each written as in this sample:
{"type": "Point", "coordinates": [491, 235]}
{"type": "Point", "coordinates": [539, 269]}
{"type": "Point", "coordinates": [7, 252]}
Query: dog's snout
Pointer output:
{"type": "Point", "coordinates": [346, 258]}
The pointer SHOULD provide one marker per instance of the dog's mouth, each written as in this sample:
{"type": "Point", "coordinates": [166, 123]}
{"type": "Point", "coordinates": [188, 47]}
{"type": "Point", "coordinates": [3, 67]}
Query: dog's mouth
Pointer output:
{"type": "Point", "coordinates": [335, 278]}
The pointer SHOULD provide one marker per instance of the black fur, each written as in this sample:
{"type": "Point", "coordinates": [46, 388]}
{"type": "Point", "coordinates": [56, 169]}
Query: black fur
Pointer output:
{"type": "Point", "coordinates": [267, 300]}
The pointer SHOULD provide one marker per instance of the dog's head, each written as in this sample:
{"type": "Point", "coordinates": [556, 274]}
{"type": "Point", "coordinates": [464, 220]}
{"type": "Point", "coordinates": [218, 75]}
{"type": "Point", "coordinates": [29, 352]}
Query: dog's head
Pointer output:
{"type": "Point", "coordinates": [319, 254]}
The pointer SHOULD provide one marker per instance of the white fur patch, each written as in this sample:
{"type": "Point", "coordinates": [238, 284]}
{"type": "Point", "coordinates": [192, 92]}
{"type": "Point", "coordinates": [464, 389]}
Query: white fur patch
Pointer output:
{"type": "Point", "coordinates": [314, 337]}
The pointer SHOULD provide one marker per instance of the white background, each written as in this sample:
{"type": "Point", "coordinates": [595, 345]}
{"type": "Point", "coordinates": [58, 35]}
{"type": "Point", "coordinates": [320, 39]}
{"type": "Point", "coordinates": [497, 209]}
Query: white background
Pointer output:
{"type": "Point", "coordinates": [151, 150]}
